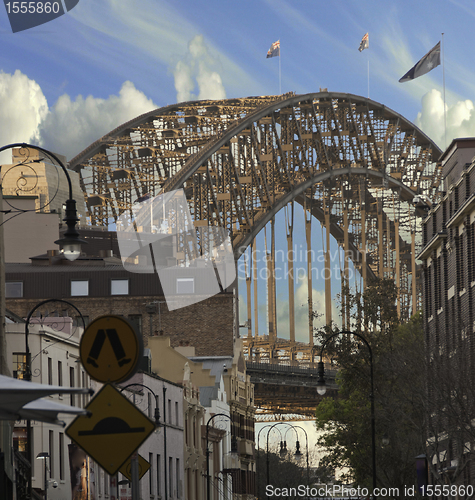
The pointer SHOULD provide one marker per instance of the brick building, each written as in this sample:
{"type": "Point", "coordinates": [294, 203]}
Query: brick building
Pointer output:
{"type": "Point", "coordinates": [449, 299]}
{"type": "Point", "coordinates": [99, 286]}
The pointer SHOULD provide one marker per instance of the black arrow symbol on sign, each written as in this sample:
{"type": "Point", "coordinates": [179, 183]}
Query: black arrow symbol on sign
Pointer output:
{"type": "Point", "coordinates": [111, 425]}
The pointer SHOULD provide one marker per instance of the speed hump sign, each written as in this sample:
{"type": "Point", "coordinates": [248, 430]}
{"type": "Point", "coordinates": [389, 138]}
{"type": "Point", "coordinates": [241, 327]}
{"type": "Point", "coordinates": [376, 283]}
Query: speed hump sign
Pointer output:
{"type": "Point", "coordinates": [110, 349]}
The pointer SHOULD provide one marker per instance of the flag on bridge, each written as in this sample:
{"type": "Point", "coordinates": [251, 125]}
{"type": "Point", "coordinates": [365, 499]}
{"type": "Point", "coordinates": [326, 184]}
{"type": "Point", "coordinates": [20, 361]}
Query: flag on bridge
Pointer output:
{"type": "Point", "coordinates": [426, 64]}
{"type": "Point", "coordinates": [364, 44]}
{"type": "Point", "coordinates": [274, 50]}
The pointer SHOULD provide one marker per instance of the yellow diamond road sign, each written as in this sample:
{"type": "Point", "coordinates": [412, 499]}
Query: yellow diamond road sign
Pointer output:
{"type": "Point", "coordinates": [113, 431]}
{"type": "Point", "coordinates": [126, 469]}
{"type": "Point", "coordinates": [110, 349]}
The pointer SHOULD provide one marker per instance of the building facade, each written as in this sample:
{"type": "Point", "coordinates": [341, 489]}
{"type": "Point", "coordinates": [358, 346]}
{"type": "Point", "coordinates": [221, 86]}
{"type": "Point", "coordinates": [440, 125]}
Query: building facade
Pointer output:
{"type": "Point", "coordinates": [100, 286]}
{"type": "Point", "coordinates": [164, 449]}
{"type": "Point", "coordinates": [54, 347]}
{"type": "Point", "coordinates": [448, 257]}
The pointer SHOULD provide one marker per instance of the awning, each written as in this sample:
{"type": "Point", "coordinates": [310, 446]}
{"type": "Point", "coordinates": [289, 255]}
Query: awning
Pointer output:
{"type": "Point", "coordinates": [43, 410]}
{"type": "Point", "coordinates": [16, 396]}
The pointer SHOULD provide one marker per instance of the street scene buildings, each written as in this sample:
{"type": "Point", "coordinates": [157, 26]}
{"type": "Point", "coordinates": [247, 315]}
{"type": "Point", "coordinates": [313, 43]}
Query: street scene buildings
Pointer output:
{"type": "Point", "coordinates": [399, 209]}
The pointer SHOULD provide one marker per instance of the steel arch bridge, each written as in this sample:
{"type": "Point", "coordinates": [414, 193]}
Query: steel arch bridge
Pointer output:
{"type": "Point", "coordinates": [362, 170]}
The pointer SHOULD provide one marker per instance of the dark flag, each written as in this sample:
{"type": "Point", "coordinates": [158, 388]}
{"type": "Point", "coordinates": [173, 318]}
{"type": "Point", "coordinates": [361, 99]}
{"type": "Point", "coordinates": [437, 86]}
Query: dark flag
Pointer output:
{"type": "Point", "coordinates": [274, 50]}
{"type": "Point", "coordinates": [364, 44]}
{"type": "Point", "coordinates": [426, 64]}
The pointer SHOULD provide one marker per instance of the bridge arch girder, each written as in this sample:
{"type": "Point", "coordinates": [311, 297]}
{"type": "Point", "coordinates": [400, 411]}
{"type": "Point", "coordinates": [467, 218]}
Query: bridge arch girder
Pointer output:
{"type": "Point", "coordinates": [241, 160]}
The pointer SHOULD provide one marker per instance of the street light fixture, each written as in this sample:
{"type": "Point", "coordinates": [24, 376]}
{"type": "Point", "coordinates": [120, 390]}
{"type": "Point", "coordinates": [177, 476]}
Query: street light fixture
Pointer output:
{"type": "Point", "coordinates": [134, 459]}
{"type": "Point", "coordinates": [27, 373]}
{"type": "Point", "coordinates": [234, 449]}
{"type": "Point", "coordinates": [70, 243]}
{"type": "Point", "coordinates": [321, 389]}
{"type": "Point", "coordinates": [283, 449]}
{"type": "Point", "coordinates": [306, 444]}
{"type": "Point", "coordinates": [297, 453]}
{"type": "Point", "coordinates": [44, 456]}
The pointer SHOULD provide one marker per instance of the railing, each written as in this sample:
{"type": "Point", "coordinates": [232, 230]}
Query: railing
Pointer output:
{"type": "Point", "coordinates": [289, 368]}
{"type": "Point", "coordinates": [23, 474]}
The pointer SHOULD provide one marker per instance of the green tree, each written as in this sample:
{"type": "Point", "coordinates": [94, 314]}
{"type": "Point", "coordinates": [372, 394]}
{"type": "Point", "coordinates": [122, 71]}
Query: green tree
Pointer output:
{"type": "Point", "coordinates": [399, 386]}
{"type": "Point", "coordinates": [283, 473]}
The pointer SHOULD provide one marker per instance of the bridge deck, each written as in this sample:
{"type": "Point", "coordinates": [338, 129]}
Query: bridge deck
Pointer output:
{"type": "Point", "coordinates": [287, 389]}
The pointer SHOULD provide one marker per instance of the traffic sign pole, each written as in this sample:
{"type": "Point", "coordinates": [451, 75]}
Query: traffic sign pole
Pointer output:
{"type": "Point", "coordinates": [135, 477]}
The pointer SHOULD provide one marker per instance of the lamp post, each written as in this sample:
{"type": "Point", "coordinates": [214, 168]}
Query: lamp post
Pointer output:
{"type": "Point", "coordinates": [306, 443]}
{"type": "Point", "coordinates": [298, 453]}
{"type": "Point", "coordinates": [27, 373]}
{"type": "Point", "coordinates": [282, 447]}
{"type": "Point", "coordinates": [45, 456]}
{"type": "Point", "coordinates": [70, 243]}
{"type": "Point", "coordinates": [234, 449]}
{"type": "Point", "coordinates": [135, 459]}
{"type": "Point", "coordinates": [321, 389]}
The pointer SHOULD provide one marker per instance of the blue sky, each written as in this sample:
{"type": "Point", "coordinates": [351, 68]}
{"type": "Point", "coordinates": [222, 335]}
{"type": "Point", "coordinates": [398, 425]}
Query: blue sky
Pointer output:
{"type": "Point", "coordinates": [66, 83]}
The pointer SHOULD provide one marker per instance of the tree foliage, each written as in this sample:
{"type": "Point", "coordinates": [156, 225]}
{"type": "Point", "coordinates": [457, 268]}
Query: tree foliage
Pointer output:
{"type": "Point", "coordinates": [399, 384]}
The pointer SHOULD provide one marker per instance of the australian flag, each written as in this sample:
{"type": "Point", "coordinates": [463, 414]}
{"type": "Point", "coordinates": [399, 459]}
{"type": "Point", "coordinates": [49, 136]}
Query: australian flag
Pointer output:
{"type": "Point", "coordinates": [274, 50]}
{"type": "Point", "coordinates": [426, 64]}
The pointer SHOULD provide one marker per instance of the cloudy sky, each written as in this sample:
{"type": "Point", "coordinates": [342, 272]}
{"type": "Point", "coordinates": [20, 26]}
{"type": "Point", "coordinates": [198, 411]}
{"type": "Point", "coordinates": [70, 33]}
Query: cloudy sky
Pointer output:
{"type": "Point", "coordinates": [66, 83]}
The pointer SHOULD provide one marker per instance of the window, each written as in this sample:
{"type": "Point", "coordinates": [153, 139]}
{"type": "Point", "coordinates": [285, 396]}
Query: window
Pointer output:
{"type": "Point", "coordinates": [177, 473]}
{"type": "Point", "coordinates": [176, 414]}
{"type": "Point", "coordinates": [13, 289]}
{"type": "Point", "coordinates": [83, 384]}
{"type": "Point", "coordinates": [19, 365]}
{"type": "Point", "coordinates": [50, 371]}
{"type": "Point", "coordinates": [158, 476]}
{"type": "Point", "coordinates": [60, 373]}
{"type": "Point", "coordinates": [150, 474]}
{"type": "Point", "coordinates": [72, 384]}
{"type": "Point", "coordinates": [170, 476]}
{"type": "Point", "coordinates": [79, 288]}
{"type": "Point", "coordinates": [20, 439]}
{"type": "Point", "coordinates": [61, 456]}
{"type": "Point", "coordinates": [120, 287]}
{"type": "Point", "coordinates": [106, 484]}
{"type": "Point", "coordinates": [185, 285]}
{"type": "Point", "coordinates": [51, 454]}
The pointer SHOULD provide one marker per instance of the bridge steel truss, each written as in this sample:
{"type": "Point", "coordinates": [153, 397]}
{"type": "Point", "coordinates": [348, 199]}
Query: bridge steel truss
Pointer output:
{"type": "Point", "coordinates": [352, 163]}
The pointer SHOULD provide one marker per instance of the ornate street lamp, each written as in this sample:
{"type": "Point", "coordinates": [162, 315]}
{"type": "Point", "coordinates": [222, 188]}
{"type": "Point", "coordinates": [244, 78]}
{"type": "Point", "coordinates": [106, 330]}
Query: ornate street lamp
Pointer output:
{"type": "Point", "coordinates": [134, 460]}
{"type": "Point", "coordinates": [70, 243]}
{"type": "Point", "coordinates": [27, 372]}
{"type": "Point", "coordinates": [234, 449]}
{"type": "Point", "coordinates": [321, 389]}
{"type": "Point", "coordinates": [283, 447]}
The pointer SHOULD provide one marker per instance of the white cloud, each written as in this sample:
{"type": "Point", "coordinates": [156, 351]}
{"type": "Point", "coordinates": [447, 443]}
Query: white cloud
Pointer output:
{"type": "Point", "coordinates": [71, 125]}
{"type": "Point", "coordinates": [460, 118]}
{"type": "Point", "coordinates": [23, 106]}
{"type": "Point", "coordinates": [198, 65]}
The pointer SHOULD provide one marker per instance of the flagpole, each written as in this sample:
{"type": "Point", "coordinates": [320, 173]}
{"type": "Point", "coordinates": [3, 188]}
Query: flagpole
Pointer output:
{"type": "Point", "coordinates": [443, 79]}
{"type": "Point", "coordinates": [368, 76]}
{"type": "Point", "coordinates": [280, 71]}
